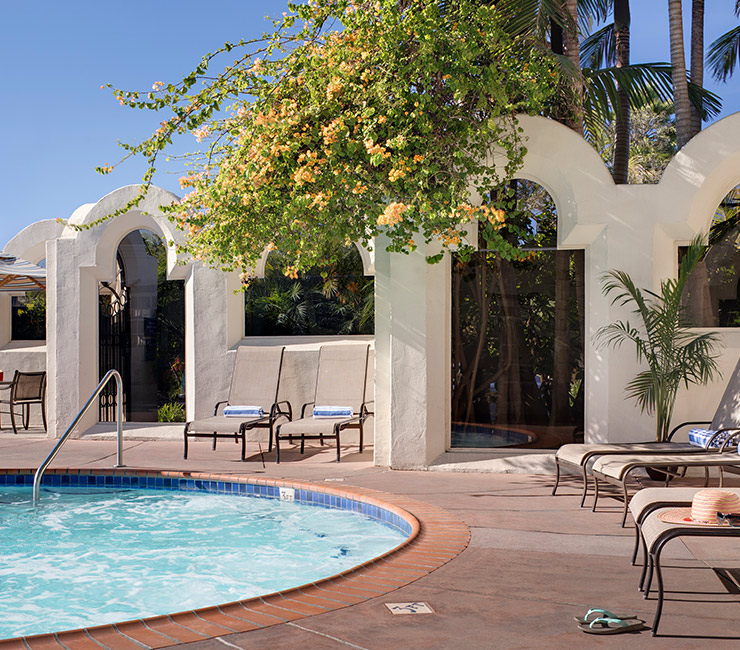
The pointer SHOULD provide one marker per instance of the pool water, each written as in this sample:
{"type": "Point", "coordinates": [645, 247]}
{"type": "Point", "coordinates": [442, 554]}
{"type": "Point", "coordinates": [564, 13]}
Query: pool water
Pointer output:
{"type": "Point", "coordinates": [86, 556]}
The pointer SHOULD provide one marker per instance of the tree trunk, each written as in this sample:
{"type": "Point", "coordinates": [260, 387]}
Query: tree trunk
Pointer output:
{"type": "Point", "coordinates": [561, 354]}
{"type": "Point", "coordinates": [678, 64]}
{"type": "Point", "coordinates": [571, 46]}
{"type": "Point", "coordinates": [620, 169]}
{"type": "Point", "coordinates": [697, 58]}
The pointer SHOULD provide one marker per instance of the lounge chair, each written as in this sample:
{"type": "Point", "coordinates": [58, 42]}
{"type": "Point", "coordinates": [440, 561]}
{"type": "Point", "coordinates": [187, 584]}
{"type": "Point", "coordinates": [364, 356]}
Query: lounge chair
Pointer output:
{"type": "Point", "coordinates": [655, 533]}
{"type": "Point", "coordinates": [253, 393]}
{"type": "Point", "coordinates": [340, 382]}
{"type": "Point", "coordinates": [26, 389]}
{"type": "Point", "coordinates": [651, 499]}
{"type": "Point", "coordinates": [617, 469]}
{"type": "Point", "coordinates": [726, 417]}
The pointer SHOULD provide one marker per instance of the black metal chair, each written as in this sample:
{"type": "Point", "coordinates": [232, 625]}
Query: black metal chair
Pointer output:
{"type": "Point", "coordinates": [27, 388]}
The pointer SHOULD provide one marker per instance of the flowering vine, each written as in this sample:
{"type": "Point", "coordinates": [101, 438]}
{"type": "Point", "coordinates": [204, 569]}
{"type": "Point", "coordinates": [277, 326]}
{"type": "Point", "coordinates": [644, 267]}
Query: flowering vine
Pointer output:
{"type": "Point", "coordinates": [353, 118]}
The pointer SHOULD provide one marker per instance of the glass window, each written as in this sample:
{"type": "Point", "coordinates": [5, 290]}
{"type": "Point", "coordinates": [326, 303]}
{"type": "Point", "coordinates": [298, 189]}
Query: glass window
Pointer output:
{"type": "Point", "coordinates": [711, 295]}
{"type": "Point", "coordinates": [336, 299]}
{"type": "Point", "coordinates": [517, 335]}
{"type": "Point", "coordinates": [28, 319]}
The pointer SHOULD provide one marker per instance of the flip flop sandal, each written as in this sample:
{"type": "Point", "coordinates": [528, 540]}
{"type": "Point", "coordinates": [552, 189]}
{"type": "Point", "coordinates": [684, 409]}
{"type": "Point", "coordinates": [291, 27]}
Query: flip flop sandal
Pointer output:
{"type": "Point", "coordinates": [612, 626]}
{"type": "Point", "coordinates": [597, 612]}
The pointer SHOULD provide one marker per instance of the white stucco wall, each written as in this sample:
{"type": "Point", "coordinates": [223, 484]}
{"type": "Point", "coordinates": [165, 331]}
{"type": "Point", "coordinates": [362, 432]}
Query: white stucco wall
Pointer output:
{"type": "Point", "coordinates": [634, 228]}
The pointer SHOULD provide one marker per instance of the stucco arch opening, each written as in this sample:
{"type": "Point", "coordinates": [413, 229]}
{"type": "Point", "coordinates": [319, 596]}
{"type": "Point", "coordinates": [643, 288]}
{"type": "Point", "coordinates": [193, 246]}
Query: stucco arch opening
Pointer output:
{"type": "Point", "coordinates": [631, 227]}
{"type": "Point", "coordinates": [366, 255]}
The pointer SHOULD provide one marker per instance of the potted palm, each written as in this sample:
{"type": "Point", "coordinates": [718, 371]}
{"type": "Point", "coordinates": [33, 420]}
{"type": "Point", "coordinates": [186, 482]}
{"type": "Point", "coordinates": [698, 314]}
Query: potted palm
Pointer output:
{"type": "Point", "coordinates": [664, 341]}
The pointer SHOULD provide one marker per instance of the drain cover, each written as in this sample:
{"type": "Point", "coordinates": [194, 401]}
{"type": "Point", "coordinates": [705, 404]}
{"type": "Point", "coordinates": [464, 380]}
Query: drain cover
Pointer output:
{"type": "Point", "coordinates": [409, 608]}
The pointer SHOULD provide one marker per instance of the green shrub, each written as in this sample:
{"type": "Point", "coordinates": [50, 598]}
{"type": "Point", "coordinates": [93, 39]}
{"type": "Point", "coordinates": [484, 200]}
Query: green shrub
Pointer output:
{"type": "Point", "coordinates": [171, 412]}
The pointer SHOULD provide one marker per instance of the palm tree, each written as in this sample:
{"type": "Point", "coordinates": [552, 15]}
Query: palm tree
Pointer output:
{"type": "Point", "coordinates": [675, 354]}
{"type": "Point", "coordinates": [697, 58]}
{"type": "Point", "coordinates": [652, 140]}
{"type": "Point", "coordinates": [724, 52]}
{"type": "Point", "coordinates": [678, 66]}
{"type": "Point", "coordinates": [622, 55]}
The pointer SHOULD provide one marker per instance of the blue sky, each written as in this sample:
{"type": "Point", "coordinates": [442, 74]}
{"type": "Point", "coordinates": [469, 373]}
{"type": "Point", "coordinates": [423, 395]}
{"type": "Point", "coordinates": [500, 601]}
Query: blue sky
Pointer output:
{"type": "Point", "coordinates": [58, 125]}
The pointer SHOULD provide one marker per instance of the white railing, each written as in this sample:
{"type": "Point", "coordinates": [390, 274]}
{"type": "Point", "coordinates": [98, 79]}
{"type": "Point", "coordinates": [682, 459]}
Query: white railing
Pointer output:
{"type": "Point", "coordinates": [119, 428]}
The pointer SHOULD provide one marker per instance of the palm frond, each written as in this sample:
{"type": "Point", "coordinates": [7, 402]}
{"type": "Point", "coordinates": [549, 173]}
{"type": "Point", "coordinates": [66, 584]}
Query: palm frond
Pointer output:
{"type": "Point", "coordinates": [706, 102]}
{"type": "Point", "coordinates": [597, 10]}
{"type": "Point", "coordinates": [642, 389]}
{"type": "Point", "coordinates": [598, 50]}
{"type": "Point", "coordinates": [614, 334]}
{"type": "Point", "coordinates": [674, 353]}
{"type": "Point", "coordinates": [724, 54]}
{"type": "Point", "coordinates": [534, 16]}
{"type": "Point", "coordinates": [644, 83]}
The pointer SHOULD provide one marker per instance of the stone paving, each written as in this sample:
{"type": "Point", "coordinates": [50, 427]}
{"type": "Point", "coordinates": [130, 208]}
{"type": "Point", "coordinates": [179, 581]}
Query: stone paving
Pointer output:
{"type": "Point", "coordinates": [533, 562]}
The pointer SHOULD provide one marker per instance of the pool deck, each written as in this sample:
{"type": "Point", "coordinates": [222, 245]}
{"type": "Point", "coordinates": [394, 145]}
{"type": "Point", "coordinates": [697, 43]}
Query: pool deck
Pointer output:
{"type": "Point", "coordinates": [532, 563]}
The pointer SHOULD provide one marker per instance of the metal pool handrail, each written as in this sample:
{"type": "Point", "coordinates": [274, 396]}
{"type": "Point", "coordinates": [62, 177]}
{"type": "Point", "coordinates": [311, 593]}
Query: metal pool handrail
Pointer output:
{"type": "Point", "coordinates": [119, 428]}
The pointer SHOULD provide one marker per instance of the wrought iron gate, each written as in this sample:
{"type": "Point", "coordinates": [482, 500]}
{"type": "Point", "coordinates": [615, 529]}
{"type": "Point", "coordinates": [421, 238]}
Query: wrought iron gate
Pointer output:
{"type": "Point", "coordinates": [114, 345]}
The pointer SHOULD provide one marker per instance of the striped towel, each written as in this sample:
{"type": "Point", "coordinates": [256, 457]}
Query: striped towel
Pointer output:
{"type": "Point", "coordinates": [701, 437]}
{"type": "Point", "coordinates": [241, 411]}
{"type": "Point", "coordinates": [332, 411]}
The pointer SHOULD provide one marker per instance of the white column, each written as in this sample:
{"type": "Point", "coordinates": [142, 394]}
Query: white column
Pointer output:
{"type": "Point", "coordinates": [412, 342]}
{"type": "Point", "coordinates": [207, 362]}
{"type": "Point", "coordinates": [72, 337]}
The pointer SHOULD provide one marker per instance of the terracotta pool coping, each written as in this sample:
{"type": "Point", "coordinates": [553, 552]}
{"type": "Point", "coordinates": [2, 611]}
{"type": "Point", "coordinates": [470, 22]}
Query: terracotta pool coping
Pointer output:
{"type": "Point", "coordinates": [436, 538]}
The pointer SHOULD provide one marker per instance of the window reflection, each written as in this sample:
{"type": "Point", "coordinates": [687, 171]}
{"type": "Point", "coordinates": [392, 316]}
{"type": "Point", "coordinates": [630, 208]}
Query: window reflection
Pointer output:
{"type": "Point", "coordinates": [517, 336]}
{"type": "Point", "coordinates": [711, 296]}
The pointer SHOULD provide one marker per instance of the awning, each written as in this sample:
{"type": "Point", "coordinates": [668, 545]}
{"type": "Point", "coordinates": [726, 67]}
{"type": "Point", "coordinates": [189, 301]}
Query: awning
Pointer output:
{"type": "Point", "coordinates": [17, 275]}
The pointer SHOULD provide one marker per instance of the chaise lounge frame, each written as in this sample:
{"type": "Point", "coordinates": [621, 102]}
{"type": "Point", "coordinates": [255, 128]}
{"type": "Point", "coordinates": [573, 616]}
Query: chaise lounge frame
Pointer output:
{"type": "Point", "coordinates": [335, 385]}
{"type": "Point", "coordinates": [255, 381]}
{"type": "Point", "coordinates": [726, 417]}
{"type": "Point", "coordinates": [617, 469]}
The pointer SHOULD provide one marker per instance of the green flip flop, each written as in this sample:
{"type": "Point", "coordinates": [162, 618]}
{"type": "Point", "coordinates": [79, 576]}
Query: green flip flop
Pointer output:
{"type": "Point", "coordinates": [612, 626]}
{"type": "Point", "coordinates": [597, 612]}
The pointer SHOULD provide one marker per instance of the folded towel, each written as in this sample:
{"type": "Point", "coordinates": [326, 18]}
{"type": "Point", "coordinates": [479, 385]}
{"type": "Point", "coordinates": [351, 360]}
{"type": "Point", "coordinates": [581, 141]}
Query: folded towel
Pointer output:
{"type": "Point", "coordinates": [700, 437]}
{"type": "Point", "coordinates": [241, 411]}
{"type": "Point", "coordinates": [332, 411]}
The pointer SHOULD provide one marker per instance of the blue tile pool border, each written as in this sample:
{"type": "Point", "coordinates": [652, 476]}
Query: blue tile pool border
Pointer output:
{"type": "Point", "coordinates": [437, 537]}
{"type": "Point", "coordinates": [313, 495]}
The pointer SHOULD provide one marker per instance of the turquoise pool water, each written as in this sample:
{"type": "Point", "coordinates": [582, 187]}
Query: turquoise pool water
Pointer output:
{"type": "Point", "coordinates": [87, 556]}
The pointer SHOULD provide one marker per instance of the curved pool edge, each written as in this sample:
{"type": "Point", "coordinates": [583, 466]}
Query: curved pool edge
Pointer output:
{"type": "Point", "coordinates": [435, 538]}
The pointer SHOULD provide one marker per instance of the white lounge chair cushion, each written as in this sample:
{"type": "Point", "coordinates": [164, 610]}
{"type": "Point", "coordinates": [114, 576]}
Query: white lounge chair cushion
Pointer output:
{"type": "Point", "coordinates": [332, 411]}
{"type": "Point", "coordinates": [241, 411]}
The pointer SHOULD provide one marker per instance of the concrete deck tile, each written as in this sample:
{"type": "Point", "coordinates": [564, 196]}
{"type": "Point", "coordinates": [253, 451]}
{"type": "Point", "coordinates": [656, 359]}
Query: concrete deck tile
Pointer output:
{"type": "Point", "coordinates": [144, 635]}
{"type": "Point", "coordinates": [207, 627]}
{"type": "Point", "coordinates": [532, 562]}
{"type": "Point", "coordinates": [166, 626]}
{"type": "Point", "coordinates": [12, 644]}
{"type": "Point", "coordinates": [239, 613]}
{"type": "Point", "coordinates": [77, 640]}
{"type": "Point", "coordinates": [44, 642]}
{"type": "Point", "coordinates": [109, 638]}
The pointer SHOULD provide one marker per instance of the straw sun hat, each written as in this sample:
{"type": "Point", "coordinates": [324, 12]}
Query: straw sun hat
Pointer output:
{"type": "Point", "coordinates": [704, 508]}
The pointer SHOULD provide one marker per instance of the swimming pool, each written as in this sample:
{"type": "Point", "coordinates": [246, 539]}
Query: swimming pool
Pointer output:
{"type": "Point", "coordinates": [486, 436]}
{"type": "Point", "coordinates": [74, 507]}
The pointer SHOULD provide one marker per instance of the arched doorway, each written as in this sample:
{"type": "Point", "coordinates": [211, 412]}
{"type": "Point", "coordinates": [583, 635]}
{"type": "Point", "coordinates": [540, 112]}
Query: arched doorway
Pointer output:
{"type": "Point", "coordinates": [517, 334]}
{"type": "Point", "coordinates": [142, 332]}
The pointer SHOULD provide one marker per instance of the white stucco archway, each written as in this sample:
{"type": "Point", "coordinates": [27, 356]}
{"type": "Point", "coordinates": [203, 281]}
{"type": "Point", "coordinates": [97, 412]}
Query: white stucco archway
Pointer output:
{"type": "Point", "coordinates": [77, 261]}
{"type": "Point", "coordinates": [636, 228]}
